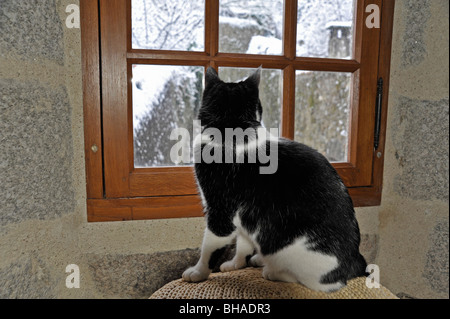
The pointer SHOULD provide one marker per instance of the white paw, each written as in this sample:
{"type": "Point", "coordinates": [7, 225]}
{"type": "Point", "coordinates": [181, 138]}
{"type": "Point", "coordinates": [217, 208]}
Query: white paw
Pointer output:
{"type": "Point", "coordinates": [267, 274]}
{"type": "Point", "coordinates": [256, 261]}
{"type": "Point", "coordinates": [232, 265]}
{"type": "Point", "coordinates": [227, 266]}
{"type": "Point", "coordinates": [196, 274]}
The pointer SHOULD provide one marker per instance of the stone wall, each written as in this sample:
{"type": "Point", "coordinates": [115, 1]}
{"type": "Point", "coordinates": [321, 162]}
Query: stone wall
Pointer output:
{"type": "Point", "coordinates": [43, 224]}
{"type": "Point", "coordinates": [413, 218]}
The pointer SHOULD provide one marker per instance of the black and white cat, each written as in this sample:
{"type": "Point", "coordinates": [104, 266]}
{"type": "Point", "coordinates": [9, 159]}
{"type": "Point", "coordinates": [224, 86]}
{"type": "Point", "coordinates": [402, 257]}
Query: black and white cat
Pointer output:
{"type": "Point", "coordinates": [299, 220]}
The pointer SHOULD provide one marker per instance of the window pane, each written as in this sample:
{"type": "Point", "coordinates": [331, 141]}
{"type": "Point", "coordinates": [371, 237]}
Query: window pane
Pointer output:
{"type": "Point", "coordinates": [168, 25]}
{"type": "Point", "coordinates": [251, 26]}
{"type": "Point", "coordinates": [325, 28]}
{"type": "Point", "coordinates": [270, 91]}
{"type": "Point", "coordinates": [322, 110]}
{"type": "Point", "coordinates": [164, 98]}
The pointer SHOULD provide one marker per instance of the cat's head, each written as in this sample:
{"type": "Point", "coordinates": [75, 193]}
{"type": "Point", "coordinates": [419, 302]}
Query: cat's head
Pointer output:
{"type": "Point", "coordinates": [231, 104]}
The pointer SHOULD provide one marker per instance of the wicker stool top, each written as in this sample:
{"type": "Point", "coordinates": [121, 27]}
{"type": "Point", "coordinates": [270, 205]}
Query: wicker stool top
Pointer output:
{"type": "Point", "coordinates": [249, 284]}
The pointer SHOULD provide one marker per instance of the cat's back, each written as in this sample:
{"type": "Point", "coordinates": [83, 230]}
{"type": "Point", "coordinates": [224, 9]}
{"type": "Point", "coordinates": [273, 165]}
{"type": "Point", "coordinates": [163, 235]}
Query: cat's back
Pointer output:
{"type": "Point", "coordinates": [302, 167]}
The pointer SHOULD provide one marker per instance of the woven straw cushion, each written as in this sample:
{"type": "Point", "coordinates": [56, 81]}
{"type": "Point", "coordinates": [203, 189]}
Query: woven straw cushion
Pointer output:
{"type": "Point", "coordinates": [249, 284]}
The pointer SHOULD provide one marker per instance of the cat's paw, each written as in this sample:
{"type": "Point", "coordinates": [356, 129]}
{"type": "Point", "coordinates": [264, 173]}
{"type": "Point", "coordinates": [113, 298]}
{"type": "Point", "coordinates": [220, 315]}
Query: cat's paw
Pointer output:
{"type": "Point", "coordinates": [232, 265]}
{"type": "Point", "coordinates": [228, 266]}
{"type": "Point", "coordinates": [267, 274]}
{"type": "Point", "coordinates": [274, 275]}
{"type": "Point", "coordinates": [196, 274]}
{"type": "Point", "coordinates": [256, 261]}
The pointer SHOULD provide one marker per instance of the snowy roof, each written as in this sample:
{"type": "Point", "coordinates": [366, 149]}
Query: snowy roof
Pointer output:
{"type": "Point", "coordinates": [339, 24]}
{"type": "Point", "coordinates": [265, 45]}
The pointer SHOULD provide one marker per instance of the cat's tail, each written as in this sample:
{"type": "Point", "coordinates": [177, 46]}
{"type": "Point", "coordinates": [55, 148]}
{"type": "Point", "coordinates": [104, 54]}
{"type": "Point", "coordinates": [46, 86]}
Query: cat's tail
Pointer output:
{"type": "Point", "coordinates": [351, 268]}
{"type": "Point", "coordinates": [358, 267]}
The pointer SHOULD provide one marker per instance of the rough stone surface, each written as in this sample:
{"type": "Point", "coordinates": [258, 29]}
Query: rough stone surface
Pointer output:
{"type": "Point", "coordinates": [417, 15]}
{"type": "Point", "coordinates": [369, 247]}
{"type": "Point", "coordinates": [36, 152]}
{"type": "Point", "coordinates": [436, 267]}
{"type": "Point", "coordinates": [27, 278]}
{"type": "Point", "coordinates": [139, 275]}
{"type": "Point", "coordinates": [31, 28]}
{"type": "Point", "coordinates": [402, 295]}
{"type": "Point", "coordinates": [422, 148]}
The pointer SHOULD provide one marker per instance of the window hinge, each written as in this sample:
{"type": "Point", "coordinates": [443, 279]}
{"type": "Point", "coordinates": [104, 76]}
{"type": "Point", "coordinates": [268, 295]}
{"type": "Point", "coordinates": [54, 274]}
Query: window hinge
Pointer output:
{"type": "Point", "coordinates": [378, 113]}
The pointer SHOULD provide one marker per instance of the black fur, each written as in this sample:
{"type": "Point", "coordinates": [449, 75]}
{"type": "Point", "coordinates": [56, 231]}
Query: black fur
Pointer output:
{"type": "Point", "coordinates": [215, 257]}
{"type": "Point", "coordinates": [304, 197]}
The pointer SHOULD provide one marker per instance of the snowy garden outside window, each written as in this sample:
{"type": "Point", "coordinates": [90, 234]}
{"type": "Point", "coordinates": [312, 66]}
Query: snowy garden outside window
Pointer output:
{"type": "Point", "coordinates": [166, 97]}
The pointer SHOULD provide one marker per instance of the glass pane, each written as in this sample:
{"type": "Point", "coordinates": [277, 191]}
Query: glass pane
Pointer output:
{"type": "Point", "coordinates": [251, 26]}
{"type": "Point", "coordinates": [325, 28]}
{"type": "Point", "coordinates": [168, 25]}
{"type": "Point", "coordinates": [322, 112]}
{"type": "Point", "coordinates": [164, 98]}
{"type": "Point", "coordinates": [270, 91]}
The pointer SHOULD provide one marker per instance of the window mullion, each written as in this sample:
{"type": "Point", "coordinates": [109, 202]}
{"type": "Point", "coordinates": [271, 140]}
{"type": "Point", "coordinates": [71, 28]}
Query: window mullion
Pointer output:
{"type": "Point", "coordinates": [212, 27]}
{"type": "Point", "coordinates": [288, 110]}
{"type": "Point", "coordinates": [290, 29]}
{"type": "Point", "coordinates": [290, 38]}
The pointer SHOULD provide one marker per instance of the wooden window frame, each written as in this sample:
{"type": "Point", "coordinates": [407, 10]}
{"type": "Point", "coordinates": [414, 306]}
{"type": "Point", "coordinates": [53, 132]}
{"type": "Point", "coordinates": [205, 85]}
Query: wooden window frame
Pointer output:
{"type": "Point", "coordinates": [117, 191]}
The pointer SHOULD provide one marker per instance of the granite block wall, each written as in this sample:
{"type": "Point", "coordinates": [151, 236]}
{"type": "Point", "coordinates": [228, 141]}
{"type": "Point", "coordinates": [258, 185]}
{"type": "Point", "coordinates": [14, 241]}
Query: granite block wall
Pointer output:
{"type": "Point", "coordinates": [412, 226]}
{"type": "Point", "coordinates": [43, 225]}
{"type": "Point", "coordinates": [419, 142]}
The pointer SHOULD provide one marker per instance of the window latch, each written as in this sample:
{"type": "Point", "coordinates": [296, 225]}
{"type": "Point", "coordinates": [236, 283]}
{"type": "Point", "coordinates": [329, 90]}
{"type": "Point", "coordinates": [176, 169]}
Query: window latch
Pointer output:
{"type": "Point", "coordinates": [378, 106]}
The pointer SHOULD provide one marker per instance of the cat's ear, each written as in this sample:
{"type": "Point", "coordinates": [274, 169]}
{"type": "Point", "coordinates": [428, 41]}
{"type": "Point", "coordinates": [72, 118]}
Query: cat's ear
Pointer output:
{"type": "Point", "coordinates": [255, 78]}
{"type": "Point", "coordinates": [211, 76]}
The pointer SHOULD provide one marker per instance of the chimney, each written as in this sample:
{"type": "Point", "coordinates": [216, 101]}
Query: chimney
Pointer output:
{"type": "Point", "coordinates": [339, 44]}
